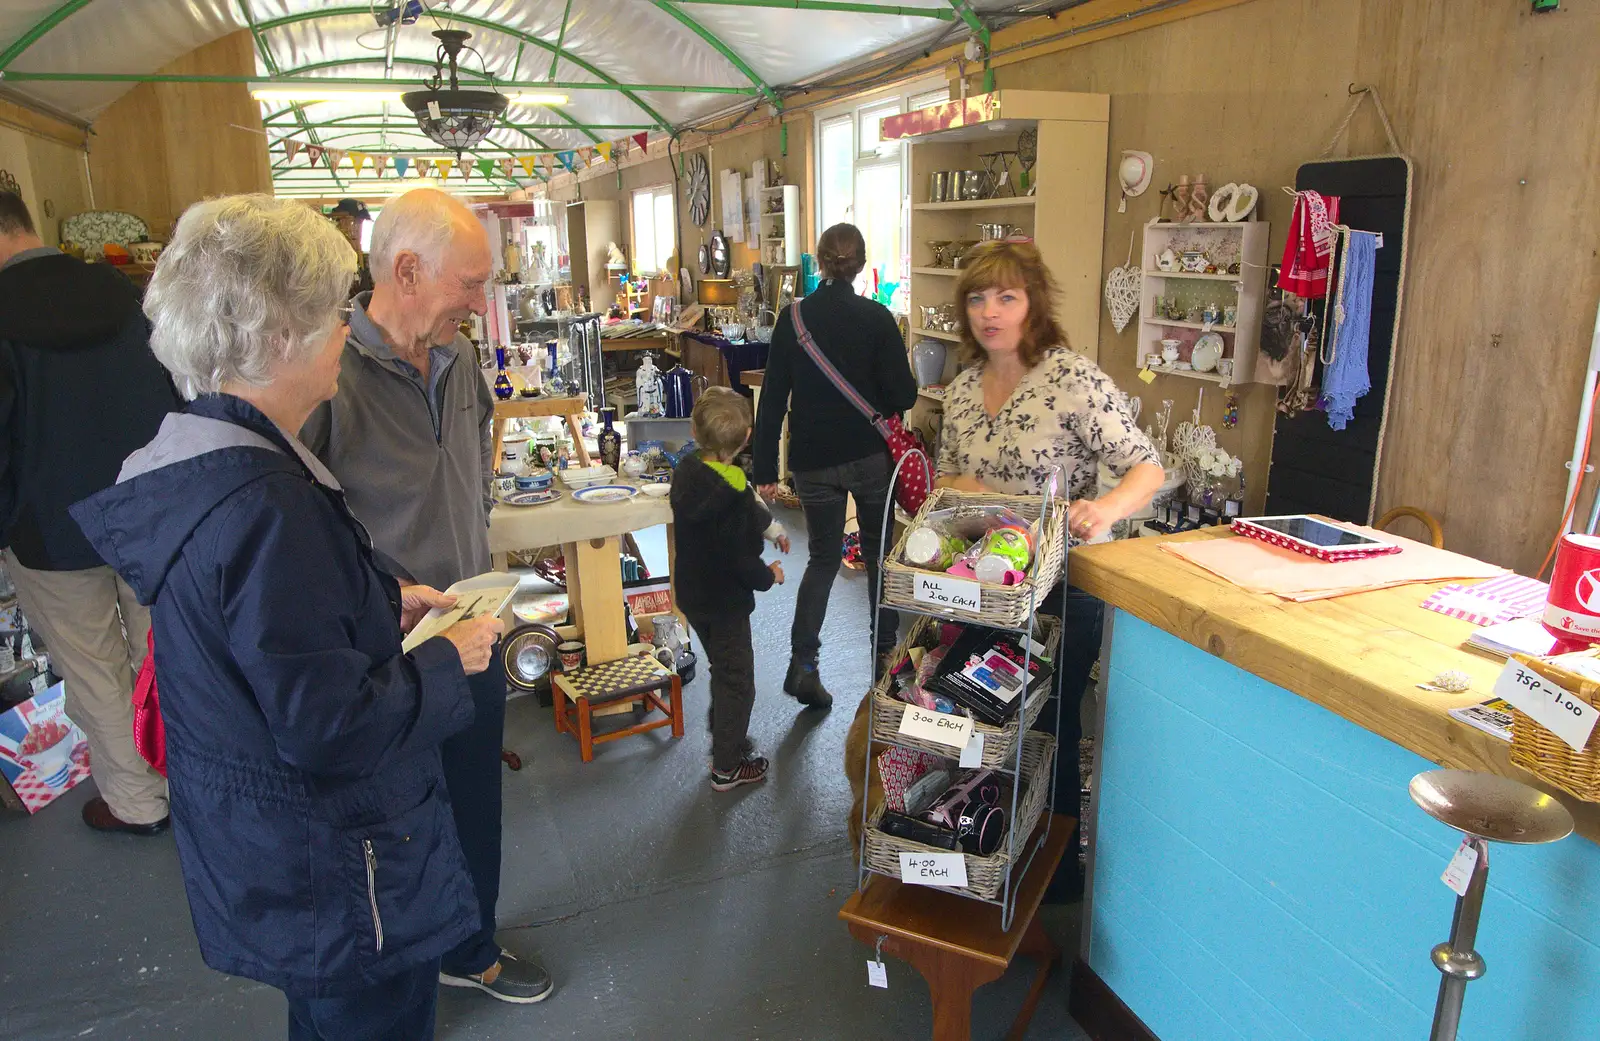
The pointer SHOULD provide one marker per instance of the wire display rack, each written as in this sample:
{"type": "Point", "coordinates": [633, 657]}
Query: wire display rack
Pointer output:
{"type": "Point", "coordinates": [1022, 844]}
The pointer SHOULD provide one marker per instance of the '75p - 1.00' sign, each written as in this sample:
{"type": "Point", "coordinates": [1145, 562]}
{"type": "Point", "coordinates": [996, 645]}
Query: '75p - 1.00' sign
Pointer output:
{"type": "Point", "coordinates": [1553, 706]}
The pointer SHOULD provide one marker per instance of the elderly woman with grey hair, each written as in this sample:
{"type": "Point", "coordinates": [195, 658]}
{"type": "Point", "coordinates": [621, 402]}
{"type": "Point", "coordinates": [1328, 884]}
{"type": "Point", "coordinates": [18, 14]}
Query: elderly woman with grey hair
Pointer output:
{"type": "Point", "coordinates": [308, 802]}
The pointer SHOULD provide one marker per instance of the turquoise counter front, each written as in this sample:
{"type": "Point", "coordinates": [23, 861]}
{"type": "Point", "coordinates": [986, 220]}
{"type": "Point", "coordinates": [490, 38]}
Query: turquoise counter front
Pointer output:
{"type": "Point", "coordinates": [1260, 872]}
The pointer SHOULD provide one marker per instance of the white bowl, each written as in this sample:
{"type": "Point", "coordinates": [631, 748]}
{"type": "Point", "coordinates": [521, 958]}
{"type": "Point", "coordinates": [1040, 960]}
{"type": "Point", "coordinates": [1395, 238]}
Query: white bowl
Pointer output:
{"type": "Point", "coordinates": [658, 491]}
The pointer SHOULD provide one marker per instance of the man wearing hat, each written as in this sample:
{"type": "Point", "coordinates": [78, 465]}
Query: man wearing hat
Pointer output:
{"type": "Point", "coordinates": [351, 216]}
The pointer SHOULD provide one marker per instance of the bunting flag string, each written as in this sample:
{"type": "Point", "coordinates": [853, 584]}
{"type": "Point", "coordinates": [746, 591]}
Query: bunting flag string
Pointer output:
{"type": "Point", "coordinates": [314, 153]}
{"type": "Point", "coordinates": [401, 164]}
{"type": "Point", "coordinates": [291, 148]}
{"type": "Point", "coordinates": [486, 167]}
{"type": "Point", "coordinates": [507, 164]}
{"type": "Point", "coordinates": [465, 166]}
{"type": "Point", "coordinates": [604, 148]}
{"type": "Point", "coordinates": [334, 156]}
{"type": "Point", "coordinates": [527, 162]}
{"type": "Point", "coordinates": [358, 160]}
{"type": "Point", "coordinates": [378, 164]}
{"type": "Point", "coordinates": [443, 167]}
{"type": "Point", "coordinates": [566, 159]}
{"type": "Point", "coordinates": [642, 139]}
{"type": "Point", "coordinates": [549, 164]}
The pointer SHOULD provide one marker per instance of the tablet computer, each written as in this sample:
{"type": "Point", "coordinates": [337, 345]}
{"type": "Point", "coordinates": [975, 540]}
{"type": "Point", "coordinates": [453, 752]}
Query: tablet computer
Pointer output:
{"type": "Point", "coordinates": [1313, 537]}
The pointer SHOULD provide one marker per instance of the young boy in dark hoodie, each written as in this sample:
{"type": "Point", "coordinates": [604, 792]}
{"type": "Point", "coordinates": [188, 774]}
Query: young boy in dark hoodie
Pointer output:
{"type": "Point", "coordinates": [720, 526]}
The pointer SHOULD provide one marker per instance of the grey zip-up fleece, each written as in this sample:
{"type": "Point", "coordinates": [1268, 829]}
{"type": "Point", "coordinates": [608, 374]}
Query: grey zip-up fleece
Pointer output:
{"type": "Point", "coordinates": [422, 491]}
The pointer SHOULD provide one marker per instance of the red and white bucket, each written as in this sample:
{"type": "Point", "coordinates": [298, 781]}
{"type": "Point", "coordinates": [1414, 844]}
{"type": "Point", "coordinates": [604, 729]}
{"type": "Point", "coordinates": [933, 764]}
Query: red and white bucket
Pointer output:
{"type": "Point", "coordinates": [1572, 610]}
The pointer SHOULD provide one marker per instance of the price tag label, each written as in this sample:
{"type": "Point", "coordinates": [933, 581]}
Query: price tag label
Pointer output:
{"type": "Point", "coordinates": [1147, 375]}
{"type": "Point", "coordinates": [1552, 705]}
{"type": "Point", "coordinates": [1458, 874]}
{"type": "Point", "coordinates": [946, 729]}
{"type": "Point", "coordinates": [877, 975]}
{"type": "Point", "coordinates": [972, 751]}
{"type": "Point", "coordinates": [946, 591]}
{"type": "Point", "coordinates": [933, 869]}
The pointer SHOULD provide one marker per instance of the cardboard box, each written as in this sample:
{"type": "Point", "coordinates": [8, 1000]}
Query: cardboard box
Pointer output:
{"type": "Point", "coordinates": [42, 752]}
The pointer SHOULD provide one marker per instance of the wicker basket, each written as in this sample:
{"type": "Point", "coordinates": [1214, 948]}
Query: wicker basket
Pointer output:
{"type": "Point", "coordinates": [1538, 750]}
{"type": "Point", "coordinates": [1000, 606]}
{"type": "Point", "coordinates": [985, 875]}
{"type": "Point", "coordinates": [999, 743]}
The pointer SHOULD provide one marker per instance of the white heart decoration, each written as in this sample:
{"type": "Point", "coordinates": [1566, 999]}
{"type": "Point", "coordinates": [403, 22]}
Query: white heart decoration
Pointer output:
{"type": "Point", "coordinates": [1244, 200]}
{"type": "Point", "coordinates": [1221, 199]}
{"type": "Point", "coordinates": [1122, 294]}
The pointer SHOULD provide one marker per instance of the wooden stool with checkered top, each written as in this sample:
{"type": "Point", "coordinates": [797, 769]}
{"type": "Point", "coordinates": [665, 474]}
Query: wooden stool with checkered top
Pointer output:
{"type": "Point", "coordinates": [637, 678]}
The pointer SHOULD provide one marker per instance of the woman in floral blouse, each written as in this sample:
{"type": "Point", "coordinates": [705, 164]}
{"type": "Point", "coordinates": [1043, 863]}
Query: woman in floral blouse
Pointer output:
{"type": "Point", "coordinates": [1024, 407]}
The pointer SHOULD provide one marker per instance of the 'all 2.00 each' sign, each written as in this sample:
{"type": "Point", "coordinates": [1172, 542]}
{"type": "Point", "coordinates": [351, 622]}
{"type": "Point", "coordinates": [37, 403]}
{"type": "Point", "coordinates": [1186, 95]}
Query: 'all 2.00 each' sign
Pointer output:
{"type": "Point", "coordinates": [1550, 704]}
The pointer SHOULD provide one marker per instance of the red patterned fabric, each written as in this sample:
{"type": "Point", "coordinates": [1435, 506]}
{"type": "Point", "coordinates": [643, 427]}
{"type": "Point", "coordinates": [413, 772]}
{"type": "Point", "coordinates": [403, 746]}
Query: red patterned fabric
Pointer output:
{"type": "Point", "coordinates": [149, 732]}
{"type": "Point", "coordinates": [1309, 248]}
{"type": "Point", "coordinates": [898, 769]}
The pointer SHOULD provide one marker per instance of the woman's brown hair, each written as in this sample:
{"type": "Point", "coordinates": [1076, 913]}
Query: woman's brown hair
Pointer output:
{"type": "Point", "coordinates": [1010, 264]}
{"type": "Point", "coordinates": [841, 252]}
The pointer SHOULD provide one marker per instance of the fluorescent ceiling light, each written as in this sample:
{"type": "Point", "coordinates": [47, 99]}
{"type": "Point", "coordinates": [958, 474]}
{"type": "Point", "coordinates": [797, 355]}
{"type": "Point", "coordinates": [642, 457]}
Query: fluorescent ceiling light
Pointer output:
{"type": "Point", "coordinates": [263, 91]}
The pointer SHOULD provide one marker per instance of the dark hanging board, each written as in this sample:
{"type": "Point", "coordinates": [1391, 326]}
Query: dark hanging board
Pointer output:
{"type": "Point", "coordinates": [1316, 469]}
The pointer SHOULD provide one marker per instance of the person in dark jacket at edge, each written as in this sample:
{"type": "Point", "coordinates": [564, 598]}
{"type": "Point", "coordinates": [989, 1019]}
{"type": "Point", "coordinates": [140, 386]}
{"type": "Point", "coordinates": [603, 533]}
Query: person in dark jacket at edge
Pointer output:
{"type": "Point", "coordinates": [79, 390]}
{"type": "Point", "coordinates": [834, 451]}
{"type": "Point", "coordinates": [308, 800]}
{"type": "Point", "coordinates": [720, 527]}
{"type": "Point", "coordinates": [410, 436]}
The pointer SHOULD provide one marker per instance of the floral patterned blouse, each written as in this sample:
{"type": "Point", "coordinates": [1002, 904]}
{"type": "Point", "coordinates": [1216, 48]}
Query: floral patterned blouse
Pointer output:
{"type": "Point", "coordinates": [1064, 412]}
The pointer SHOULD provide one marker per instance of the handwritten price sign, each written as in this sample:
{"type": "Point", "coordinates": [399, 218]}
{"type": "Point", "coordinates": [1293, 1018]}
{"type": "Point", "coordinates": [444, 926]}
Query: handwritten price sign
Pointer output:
{"type": "Point", "coordinates": [1550, 704]}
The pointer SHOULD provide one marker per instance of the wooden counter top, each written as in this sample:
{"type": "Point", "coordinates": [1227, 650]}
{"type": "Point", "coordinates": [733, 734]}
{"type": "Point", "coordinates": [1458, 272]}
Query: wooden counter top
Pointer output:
{"type": "Point", "coordinates": [1360, 656]}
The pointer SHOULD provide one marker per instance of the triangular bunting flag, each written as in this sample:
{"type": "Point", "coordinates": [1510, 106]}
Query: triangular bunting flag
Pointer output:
{"type": "Point", "coordinates": [527, 162]}
{"type": "Point", "coordinates": [566, 158]}
{"type": "Point", "coordinates": [486, 167]}
{"type": "Point", "coordinates": [507, 164]}
{"type": "Point", "coordinates": [291, 148]}
{"type": "Point", "coordinates": [401, 164]}
{"type": "Point", "coordinates": [379, 162]}
{"type": "Point", "coordinates": [334, 156]}
{"type": "Point", "coordinates": [642, 139]}
{"type": "Point", "coordinates": [465, 166]}
{"type": "Point", "coordinates": [314, 153]}
{"type": "Point", "coordinates": [358, 160]}
{"type": "Point", "coordinates": [443, 166]}
{"type": "Point", "coordinates": [604, 148]}
{"type": "Point", "coordinates": [549, 164]}
{"type": "Point", "coordinates": [584, 155]}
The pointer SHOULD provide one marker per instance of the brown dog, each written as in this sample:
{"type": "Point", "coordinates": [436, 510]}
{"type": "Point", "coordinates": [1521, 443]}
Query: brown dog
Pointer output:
{"type": "Point", "coordinates": [855, 762]}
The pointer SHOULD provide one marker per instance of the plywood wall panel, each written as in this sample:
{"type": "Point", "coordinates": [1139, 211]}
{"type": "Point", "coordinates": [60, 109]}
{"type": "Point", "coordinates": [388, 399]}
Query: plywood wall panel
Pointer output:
{"type": "Point", "coordinates": [1503, 276]}
{"type": "Point", "coordinates": [164, 146]}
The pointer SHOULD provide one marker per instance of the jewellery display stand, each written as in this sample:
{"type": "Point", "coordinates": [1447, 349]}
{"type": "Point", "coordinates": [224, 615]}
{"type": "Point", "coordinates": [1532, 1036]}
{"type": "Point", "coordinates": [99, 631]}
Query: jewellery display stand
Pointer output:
{"type": "Point", "coordinates": [1023, 843]}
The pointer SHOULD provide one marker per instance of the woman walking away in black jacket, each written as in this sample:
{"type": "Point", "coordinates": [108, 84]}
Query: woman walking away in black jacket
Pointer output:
{"type": "Point", "coordinates": [833, 450]}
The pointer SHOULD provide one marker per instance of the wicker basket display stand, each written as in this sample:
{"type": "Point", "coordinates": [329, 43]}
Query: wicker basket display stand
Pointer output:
{"type": "Point", "coordinates": [1015, 749]}
{"type": "Point", "coordinates": [1539, 751]}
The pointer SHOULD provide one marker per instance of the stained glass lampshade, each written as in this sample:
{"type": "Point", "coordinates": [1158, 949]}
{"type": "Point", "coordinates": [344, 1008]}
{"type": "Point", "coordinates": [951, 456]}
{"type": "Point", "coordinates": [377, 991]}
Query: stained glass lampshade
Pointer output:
{"type": "Point", "coordinates": [455, 118]}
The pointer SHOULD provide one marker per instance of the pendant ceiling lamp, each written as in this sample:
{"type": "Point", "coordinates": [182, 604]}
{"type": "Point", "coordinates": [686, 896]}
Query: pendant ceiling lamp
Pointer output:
{"type": "Point", "coordinates": [455, 118]}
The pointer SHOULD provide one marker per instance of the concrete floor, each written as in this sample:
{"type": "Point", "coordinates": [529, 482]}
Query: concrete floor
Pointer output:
{"type": "Point", "coordinates": [664, 910]}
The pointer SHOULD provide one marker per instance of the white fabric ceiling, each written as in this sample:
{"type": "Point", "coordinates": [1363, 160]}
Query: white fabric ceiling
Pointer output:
{"type": "Point", "coordinates": [631, 41]}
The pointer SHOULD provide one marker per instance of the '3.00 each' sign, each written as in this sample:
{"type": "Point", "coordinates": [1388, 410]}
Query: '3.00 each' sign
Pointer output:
{"type": "Point", "coordinates": [1550, 704]}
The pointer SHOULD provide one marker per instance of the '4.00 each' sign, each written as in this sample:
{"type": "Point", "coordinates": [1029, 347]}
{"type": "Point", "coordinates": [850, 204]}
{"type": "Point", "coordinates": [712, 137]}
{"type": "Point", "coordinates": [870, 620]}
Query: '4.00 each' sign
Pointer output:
{"type": "Point", "coordinates": [1550, 704]}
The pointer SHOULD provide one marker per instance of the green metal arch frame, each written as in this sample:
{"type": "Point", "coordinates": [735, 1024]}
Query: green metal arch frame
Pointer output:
{"type": "Point", "coordinates": [483, 23]}
{"type": "Point", "coordinates": [721, 48]}
{"type": "Point", "coordinates": [45, 24]}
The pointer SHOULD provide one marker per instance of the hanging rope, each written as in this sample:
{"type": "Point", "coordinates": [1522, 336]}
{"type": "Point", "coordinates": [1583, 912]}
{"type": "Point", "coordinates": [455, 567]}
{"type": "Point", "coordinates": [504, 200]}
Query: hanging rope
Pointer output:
{"type": "Point", "coordinates": [1360, 94]}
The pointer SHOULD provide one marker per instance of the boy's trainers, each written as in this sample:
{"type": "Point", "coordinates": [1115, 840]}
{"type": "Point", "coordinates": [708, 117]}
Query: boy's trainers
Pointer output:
{"type": "Point", "coordinates": [751, 771]}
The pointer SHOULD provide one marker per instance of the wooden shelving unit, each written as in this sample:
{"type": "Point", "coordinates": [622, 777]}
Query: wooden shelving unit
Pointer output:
{"type": "Point", "coordinates": [1241, 242]}
{"type": "Point", "coordinates": [780, 228]}
{"type": "Point", "coordinates": [1065, 212]}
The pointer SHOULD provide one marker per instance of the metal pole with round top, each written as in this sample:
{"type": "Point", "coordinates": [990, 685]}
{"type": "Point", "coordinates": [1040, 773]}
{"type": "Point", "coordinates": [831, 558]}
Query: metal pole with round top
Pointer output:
{"type": "Point", "coordinates": [1485, 808]}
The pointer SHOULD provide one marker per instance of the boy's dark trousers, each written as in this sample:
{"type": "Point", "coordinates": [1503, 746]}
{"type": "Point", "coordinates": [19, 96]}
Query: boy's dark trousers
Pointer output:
{"type": "Point", "coordinates": [726, 639]}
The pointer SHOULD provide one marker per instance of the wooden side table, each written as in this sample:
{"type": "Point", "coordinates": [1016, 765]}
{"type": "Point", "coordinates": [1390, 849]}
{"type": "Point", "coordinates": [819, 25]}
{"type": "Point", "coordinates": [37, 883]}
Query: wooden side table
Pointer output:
{"type": "Point", "coordinates": [629, 680]}
{"type": "Point", "coordinates": [527, 408]}
{"type": "Point", "coordinates": [957, 943]}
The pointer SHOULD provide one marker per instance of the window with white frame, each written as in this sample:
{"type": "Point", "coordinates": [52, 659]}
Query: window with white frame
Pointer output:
{"type": "Point", "coordinates": [863, 180]}
{"type": "Point", "coordinates": [655, 237]}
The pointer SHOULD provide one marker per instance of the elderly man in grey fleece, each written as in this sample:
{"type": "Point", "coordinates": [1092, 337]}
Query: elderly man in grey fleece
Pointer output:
{"type": "Point", "coordinates": [409, 437]}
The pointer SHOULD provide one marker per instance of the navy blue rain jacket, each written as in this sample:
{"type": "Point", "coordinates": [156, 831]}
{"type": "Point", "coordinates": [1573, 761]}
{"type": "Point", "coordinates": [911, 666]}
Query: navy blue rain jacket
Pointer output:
{"type": "Point", "coordinates": [313, 826]}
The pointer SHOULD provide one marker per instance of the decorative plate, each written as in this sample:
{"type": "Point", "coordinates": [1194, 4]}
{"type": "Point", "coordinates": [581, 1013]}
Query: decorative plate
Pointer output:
{"type": "Point", "coordinates": [92, 229]}
{"type": "Point", "coordinates": [537, 497]}
{"type": "Point", "coordinates": [1207, 352]}
{"type": "Point", "coordinates": [605, 494]}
